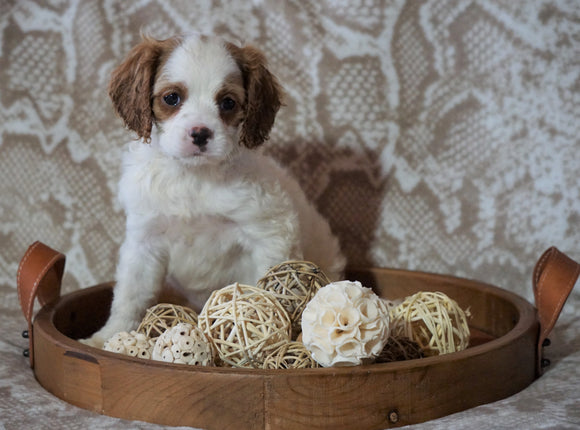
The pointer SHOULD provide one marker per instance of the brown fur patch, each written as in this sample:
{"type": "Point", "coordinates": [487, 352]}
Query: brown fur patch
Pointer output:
{"type": "Point", "coordinates": [263, 95]}
{"type": "Point", "coordinates": [161, 110]}
{"type": "Point", "coordinates": [132, 82]}
{"type": "Point", "coordinates": [233, 88]}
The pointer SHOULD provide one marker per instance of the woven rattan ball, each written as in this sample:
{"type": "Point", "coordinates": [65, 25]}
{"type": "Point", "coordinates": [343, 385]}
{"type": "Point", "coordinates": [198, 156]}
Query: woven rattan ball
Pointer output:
{"type": "Point", "coordinates": [433, 320]}
{"type": "Point", "coordinates": [399, 349]}
{"type": "Point", "coordinates": [245, 324]}
{"type": "Point", "coordinates": [164, 316]}
{"type": "Point", "coordinates": [291, 355]}
{"type": "Point", "coordinates": [294, 283]}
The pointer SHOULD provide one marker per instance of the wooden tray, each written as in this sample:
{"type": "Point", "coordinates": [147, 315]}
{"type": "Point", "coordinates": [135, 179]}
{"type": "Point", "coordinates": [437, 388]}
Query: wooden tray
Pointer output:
{"type": "Point", "coordinates": [503, 359]}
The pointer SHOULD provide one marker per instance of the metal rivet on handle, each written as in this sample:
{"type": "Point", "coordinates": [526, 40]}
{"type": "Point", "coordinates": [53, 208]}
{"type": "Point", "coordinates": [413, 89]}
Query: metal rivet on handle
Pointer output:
{"type": "Point", "coordinates": [25, 334]}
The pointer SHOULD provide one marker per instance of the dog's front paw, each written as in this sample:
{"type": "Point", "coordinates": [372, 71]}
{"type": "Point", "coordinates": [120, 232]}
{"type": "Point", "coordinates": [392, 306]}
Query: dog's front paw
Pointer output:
{"type": "Point", "coordinates": [95, 341]}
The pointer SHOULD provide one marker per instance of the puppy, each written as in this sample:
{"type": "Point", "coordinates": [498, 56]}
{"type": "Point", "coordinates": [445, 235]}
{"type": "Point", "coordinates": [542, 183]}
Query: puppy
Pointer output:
{"type": "Point", "coordinates": [204, 207]}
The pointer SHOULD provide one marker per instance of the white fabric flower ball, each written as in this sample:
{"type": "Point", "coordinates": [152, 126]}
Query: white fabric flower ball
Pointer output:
{"type": "Point", "coordinates": [185, 344]}
{"type": "Point", "coordinates": [345, 324]}
{"type": "Point", "coordinates": [132, 344]}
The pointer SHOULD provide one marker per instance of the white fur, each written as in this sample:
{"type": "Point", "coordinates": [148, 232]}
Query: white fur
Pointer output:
{"type": "Point", "coordinates": [202, 220]}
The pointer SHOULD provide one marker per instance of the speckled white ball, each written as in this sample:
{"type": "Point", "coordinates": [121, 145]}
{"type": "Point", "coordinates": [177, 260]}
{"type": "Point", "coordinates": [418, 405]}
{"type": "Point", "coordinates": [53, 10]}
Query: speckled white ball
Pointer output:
{"type": "Point", "coordinates": [345, 324]}
{"type": "Point", "coordinates": [132, 344]}
{"type": "Point", "coordinates": [185, 344]}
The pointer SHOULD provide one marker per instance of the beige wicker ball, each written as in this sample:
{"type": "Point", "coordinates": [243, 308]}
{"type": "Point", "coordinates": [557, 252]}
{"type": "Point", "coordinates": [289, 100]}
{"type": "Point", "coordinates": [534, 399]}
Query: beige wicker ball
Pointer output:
{"type": "Point", "coordinates": [245, 324]}
{"type": "Point", "coordinates": [294, 283]}
{"type": "Point", "coordinates": [164, 316]}
{"type": "Point", "coordinates": [433, 320]}
{"type": "Point", "coordinates": [291, 355]}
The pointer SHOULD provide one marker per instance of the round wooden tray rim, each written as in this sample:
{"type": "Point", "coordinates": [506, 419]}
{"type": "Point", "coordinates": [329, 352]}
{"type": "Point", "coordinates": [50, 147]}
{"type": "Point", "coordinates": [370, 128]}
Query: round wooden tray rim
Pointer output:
{"type": "Point", "coordinates": [499, 367]}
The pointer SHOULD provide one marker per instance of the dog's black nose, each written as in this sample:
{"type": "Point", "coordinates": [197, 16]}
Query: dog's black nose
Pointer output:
{"type": "Point", "coordinates": [200, 135]}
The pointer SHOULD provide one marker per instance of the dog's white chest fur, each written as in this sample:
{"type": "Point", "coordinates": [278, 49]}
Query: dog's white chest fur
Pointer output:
{"type": "Point", "coordinates": [208, 223]}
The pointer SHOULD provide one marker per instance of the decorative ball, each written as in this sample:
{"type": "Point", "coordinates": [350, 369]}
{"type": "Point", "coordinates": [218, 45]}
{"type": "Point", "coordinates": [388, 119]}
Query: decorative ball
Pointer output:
{"type": "Point", "coordinates": [245, 324]}
{"type": "Point", "coordinates": [185, 344]}
{"type": "Point", "coordinates": [291, 355]}
{"type": "Point", "coordinates": [132, 344]}
{"type": "Point", "coordinates": [433, 320]}
{"type": "Point", "coordinates": [399, 349]}
{"type": "Point", "coordinates": [163, 316]}
{"type": "Point", "coordinates": [345, 324]}
{"type": "Point", "coordinates": [294, 283]}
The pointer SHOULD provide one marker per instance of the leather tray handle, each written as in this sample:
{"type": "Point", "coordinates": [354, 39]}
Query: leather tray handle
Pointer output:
{"type": "Point", "coordinates": [39, 275]}
{"type": "Point", "coordinates": [554, 278]}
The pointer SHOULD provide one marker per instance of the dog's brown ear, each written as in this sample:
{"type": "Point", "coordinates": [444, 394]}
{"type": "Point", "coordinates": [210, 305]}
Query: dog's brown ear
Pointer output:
{"type": "Point", "coordinates": [132, 82]}
{"type": "Point", "coordinates": [263, 95]}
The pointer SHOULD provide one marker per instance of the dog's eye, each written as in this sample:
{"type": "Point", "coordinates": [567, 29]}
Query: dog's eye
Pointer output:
{"type": "Point", "coordinates": [172, 99]}
{"type": "Point", "coordinates": [227, 104]}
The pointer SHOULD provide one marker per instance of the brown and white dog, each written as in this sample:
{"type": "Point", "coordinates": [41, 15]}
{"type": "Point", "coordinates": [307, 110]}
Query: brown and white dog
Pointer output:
{"type": "Point", "coordinates": [204, 207]}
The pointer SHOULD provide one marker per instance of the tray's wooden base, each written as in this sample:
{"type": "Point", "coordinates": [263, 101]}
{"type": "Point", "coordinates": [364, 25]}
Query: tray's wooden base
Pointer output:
{"type": "Point", "coordinates": [500, 362]}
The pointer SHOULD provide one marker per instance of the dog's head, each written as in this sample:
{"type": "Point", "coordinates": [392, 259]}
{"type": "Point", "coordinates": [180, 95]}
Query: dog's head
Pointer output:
{"type": "Point", "coordinates": [198, 97]}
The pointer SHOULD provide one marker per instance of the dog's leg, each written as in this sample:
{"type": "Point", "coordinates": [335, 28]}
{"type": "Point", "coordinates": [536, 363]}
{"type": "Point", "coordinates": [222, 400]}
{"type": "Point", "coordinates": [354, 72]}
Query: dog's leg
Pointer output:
{"type": "Point", "coordinates": [140, 275]}
{"type": "Point", "coordinates": [273, 243]}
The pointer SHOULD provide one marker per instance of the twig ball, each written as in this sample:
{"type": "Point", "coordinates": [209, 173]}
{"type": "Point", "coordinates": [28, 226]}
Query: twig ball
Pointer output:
{"type": "Point", "coordinates": [164, 316]}
{"type": "Point", "coordinates": [245, 324]}
{"type": "Point", "coordinates": [132, 344]}
{"type": "Point", "coordinates": [399, 349]}
{"type": "Point", "coordinates": [294, 283]}
{"type": "Point", "coordinates": [291, 355]}
{"type": "Point", "coordinates": [185, 344]}
{"type": "Point", "coordinates": [433, 320]}
{"type": "Point", "coordinates": [345, 324]}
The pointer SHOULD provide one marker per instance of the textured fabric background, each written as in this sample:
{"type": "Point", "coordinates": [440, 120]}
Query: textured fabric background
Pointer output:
{"type": "Point", "coordinates": [440, 136]}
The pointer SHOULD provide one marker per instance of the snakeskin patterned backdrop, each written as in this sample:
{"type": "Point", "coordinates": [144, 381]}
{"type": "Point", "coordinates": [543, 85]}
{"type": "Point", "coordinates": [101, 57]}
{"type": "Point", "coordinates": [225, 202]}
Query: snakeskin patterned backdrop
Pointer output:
{"type": "Point", "coordinates": [440, 136]}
